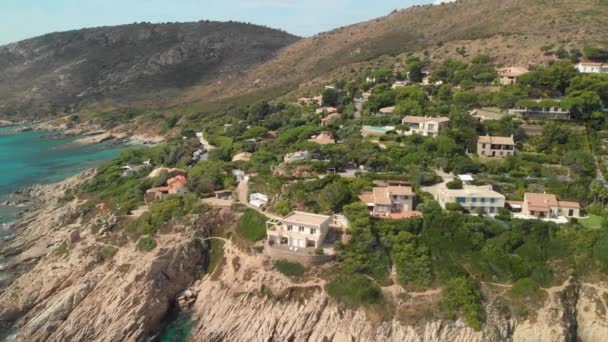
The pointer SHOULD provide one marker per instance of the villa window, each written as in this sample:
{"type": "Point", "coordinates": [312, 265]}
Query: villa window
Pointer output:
{"type": "Point", "coordinates": [474, 200]}
{"type": "Point", "coordinates": [313, 231]}
{"type": "Point", "coordinates": [492, 200]}
{"type": "Point", "coordinates": [301, 229]}
{"type": "Point", "coordinates": [461, 200]}
{"type": "Point", "coordinates": [290, 228]}
{"type": "Point", "coordinates": [483, 200]}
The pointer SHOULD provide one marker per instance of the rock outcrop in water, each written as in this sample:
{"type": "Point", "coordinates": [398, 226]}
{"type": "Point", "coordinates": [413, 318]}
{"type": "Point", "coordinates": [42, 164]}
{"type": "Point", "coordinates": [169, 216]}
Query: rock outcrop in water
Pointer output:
{"type": "Point", "coordinates": [77, 288]}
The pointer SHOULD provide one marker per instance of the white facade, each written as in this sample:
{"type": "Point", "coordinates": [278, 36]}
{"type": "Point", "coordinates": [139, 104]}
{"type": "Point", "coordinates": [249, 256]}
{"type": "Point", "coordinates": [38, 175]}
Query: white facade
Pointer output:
{"type": "Point", "coordinates": [471, 198]}
{"type": "Point", "coordinates": [592, 68]}
{"type": "Point", "coordinates": [425, 126]}
{"type": "Point", "coordinates": [298, 230]}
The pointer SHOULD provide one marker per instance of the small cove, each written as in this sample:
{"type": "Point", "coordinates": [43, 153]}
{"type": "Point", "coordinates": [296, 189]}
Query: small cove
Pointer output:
{"type": "Point", "coordinates": [39, 157]}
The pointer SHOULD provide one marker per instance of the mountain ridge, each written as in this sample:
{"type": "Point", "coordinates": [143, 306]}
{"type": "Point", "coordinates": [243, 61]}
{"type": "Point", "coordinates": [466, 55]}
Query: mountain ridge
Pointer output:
{"type": "Point", "coordinates": [512, 32]}
{"type": "Point", "coordinates": [61, 72]}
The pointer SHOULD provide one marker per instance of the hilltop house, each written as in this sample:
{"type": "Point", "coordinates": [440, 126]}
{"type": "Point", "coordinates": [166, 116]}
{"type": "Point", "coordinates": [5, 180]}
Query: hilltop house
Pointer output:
{"type": "Point", "coordinates": [298, 230]}
{"type": "Point", "coordinates": [470, 197]}
{"type": "Point", "coordinates": [488, 146]}
{"type": "Point", "coordinates": [393, 202]}
{"type": "Point", "coordinates": [329, 119]}
{"type": "Point", "coordinates": [328, 110]}
{"type": "Point", "coordinates": [541, 112]}
{"type": "Point", "coordinates": [547, 206]}
{"type": "Point", "coordinates": [322, 139]}
{"type": "Point", "coordinates": [297, 156]}
{"type": "Point", "coordinates": [589, 67]}
{"type": "Point", "coordinates": [400, 84]}
{"type": "Point", "coordinates": [510, 75]}
{"type": "Point", "coordinates": [425, 125]}
{"type": "Point", "coordinates": [177, 186]}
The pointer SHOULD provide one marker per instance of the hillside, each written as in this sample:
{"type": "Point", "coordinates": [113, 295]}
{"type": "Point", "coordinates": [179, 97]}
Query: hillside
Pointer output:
{"type": "Point", "coordinates": [198, 67]}
{"type": "Point", "coordinates": [509, 31]}
{"type": "Point", "coordinates": [59, 72]}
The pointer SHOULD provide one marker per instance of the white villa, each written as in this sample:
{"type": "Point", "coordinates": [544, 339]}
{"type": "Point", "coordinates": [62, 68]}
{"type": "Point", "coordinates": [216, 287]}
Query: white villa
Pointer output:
{"type": "Point", "coordinates": [588, 67]}
{"type": "Point", "coordinates": [298, 230]}
{"type": "Point", "coordinates": [425, 125]}
{"type": "Point", "coordinates": [470, 197]}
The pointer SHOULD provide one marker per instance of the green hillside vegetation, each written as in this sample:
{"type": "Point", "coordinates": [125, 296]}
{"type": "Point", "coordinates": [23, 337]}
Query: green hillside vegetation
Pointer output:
{"type": "Point", "coordinates": [454, 249]}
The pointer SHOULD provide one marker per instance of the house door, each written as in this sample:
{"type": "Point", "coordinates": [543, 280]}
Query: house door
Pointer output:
{"type": "Point", "coordinates": [300, 243]}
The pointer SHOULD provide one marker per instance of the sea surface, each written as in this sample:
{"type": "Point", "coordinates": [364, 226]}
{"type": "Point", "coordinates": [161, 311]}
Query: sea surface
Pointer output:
{"type": "Point", "coordinates": [35, 157]}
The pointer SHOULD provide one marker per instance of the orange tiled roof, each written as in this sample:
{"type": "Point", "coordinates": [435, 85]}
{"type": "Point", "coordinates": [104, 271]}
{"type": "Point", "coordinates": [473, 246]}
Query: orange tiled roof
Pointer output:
{"type": "Point", "coordinates": [568, 204]}
{"type": "Point", "coordinates": [540, 202]}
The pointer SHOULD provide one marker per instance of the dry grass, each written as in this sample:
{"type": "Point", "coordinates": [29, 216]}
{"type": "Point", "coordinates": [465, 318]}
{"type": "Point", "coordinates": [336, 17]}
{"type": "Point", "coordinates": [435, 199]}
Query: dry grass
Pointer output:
{"type": "Point", "coordinates": [512, 32]}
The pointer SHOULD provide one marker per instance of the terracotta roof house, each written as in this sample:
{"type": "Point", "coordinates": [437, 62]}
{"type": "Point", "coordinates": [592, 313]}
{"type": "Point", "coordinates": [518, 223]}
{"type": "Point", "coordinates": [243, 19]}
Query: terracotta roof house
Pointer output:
{"type": "Point", "coordinates": [243, 157]}
{"type": "Point", "coordinates": [394, 202]}
{"type": "Point", "coordinates": [425, 125]}
{"type": "Point", "coordinates": [589, 67]}
{"type": "Point", "coordinates": [177, 186]}
{"type": "Point", "coordinates": [488, 146]}
{"type": "Point", "coordinates": [329, 119]}
{"type": "Point", "coordinates": [548, 206]}
{"type": "Point", "coordinates": [323, 139]}
{"type": "Point", "coordinates": [510, 75]}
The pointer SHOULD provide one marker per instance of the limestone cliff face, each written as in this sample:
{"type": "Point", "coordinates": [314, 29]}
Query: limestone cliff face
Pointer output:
{"type": "Point", "coordinates": [242, 302]}
{"type": "Point", "coordinates": [74, 287]}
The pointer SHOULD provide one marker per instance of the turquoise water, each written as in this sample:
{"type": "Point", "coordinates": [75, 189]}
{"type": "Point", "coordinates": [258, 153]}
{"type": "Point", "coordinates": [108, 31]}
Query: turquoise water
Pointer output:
{"type": "Point", "coordinates": [38, 158]}
{"type": "Point", "coordinates": [379, 129]}
{"type": "Point", "coordinates": [178, 330]}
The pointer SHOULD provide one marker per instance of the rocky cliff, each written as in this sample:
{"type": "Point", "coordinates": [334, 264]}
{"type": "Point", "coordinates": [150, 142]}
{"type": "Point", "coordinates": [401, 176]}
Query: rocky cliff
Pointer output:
{"type": "Point", "coordinates": [64, 71]}
{"type": "Point", "coordinates": [72, 284]}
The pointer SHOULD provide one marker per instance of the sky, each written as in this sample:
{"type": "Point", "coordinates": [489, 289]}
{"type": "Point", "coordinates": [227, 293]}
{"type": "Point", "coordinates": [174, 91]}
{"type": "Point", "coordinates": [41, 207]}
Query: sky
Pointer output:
{"type": "Point", "coordinates": [21, 19]}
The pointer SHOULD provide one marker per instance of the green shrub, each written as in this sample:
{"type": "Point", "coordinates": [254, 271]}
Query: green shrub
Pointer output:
{"type": "Point", "coordinates": [454, 207]}
{"type": "Point", "coordinates": [290, 269]}
{"type": "Point", "coordinates": [252, 225]}
{"type": "Point", "coordinates": [455, 184]}
{"type": "Point", "coordinates": [461, 296]}
{"type": "Point", "coordinates": [106, 253]}
{"type": "Point", "coordinates": [161, 213]}
{"type": "Point", "coordinates": [525, 288]}
{"type": "Point", "coordinates": [146, 243]}
{"type": "Point", "coordinates": [282, 207]}
{"type": "Point", "coordinates": [354, 290]}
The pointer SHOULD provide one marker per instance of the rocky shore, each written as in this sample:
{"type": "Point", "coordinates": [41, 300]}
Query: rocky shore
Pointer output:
{"type": "Point", "coordinates": [90, 133]}
{"type": "Point", "coordinates": [73, 283]}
